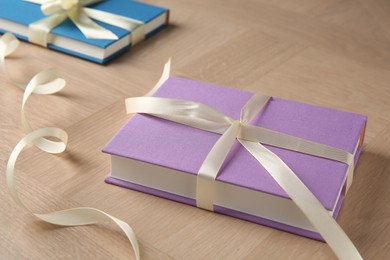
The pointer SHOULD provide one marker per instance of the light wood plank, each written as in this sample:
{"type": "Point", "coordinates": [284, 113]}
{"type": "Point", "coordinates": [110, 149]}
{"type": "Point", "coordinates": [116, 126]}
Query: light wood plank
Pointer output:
{"type": "Point", "coordinates": [329, 53]}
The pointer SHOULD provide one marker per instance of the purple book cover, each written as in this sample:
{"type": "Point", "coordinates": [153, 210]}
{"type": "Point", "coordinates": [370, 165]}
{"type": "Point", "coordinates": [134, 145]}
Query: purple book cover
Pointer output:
{"type": "Point", "coordinates": [172, 145]}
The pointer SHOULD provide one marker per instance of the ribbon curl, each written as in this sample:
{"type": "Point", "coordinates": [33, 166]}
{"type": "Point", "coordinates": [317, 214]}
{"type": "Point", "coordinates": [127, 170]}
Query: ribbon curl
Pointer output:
{"type": "Point", "coordinates": [75, 10]}
{"type": "Point", "coordinates": [252, 137]}
{"type": "Point", "coordinates": [48, 82]}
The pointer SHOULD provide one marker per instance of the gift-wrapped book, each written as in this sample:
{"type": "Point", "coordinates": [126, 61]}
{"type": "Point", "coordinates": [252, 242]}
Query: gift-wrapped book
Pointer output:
{"type": "Point", "coordinates": [96, 30]}
{"type": "Point", "coordinates": [163, 158]}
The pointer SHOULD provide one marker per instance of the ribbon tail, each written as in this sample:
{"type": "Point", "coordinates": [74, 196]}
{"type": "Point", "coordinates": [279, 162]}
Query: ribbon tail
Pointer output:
{"type": "Point", "coordinates": [88, 216]}
{"type": "Point", "coordinates": [45, 82]}
{"type": "Point", "coordinates": [39, 31]}
{"type": "Point", "coordinates": [163, 78]}
{"type": "Point", "coordinates": [305, 200]}
{"type": "Point", "coordinates": [69, 217]}
{"type": "Point", "coordinates": [88, 27]}
{"type": "Point", "coordinates": [350, 172]}
{"type": "Point", "coordinates": [136, 27]}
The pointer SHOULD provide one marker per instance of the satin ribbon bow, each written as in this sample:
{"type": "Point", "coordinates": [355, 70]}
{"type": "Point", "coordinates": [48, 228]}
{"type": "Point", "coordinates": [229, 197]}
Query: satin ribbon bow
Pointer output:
{"type": "Point", "coordinates": [80, 15]}
{"type": "Point", "coordinates": [252, 138]}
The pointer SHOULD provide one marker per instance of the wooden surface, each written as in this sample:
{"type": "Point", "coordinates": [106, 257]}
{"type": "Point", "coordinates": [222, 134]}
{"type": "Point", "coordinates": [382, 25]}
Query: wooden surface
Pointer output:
{"type": "Point", "coordinates": [329, 53]}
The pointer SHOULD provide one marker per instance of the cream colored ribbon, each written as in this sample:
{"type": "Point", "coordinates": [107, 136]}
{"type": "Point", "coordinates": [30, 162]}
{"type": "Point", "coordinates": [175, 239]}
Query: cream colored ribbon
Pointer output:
{"type": "Point", "coordinates": [48, 82]}
{"type": "Point", "coordinates": [252, 137]}
{"type": "Point", "coordinates": [75, 10]}
{"type": "Point", "coordinates": [8, 44]}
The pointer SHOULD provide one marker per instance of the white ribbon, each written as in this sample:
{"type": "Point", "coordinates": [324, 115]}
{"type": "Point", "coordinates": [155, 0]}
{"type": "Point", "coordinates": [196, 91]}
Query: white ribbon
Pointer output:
{"type": "Point", "coordinates": [8, 44]}
{"type": "Point", "coordinates": [75, 10]}
{"type": "Point", "coordinates": [47, 82]}
{"type": "Point", "coordinates": [204, 117]}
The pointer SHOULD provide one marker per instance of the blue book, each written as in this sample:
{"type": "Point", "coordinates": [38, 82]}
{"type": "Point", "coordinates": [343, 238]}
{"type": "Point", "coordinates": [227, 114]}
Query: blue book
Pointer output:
{"type": "Point", "coordinates": [16, 15]}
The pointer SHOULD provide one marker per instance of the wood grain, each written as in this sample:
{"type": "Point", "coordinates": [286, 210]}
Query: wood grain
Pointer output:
{"type": "Point", "coordinates": [329, 53]}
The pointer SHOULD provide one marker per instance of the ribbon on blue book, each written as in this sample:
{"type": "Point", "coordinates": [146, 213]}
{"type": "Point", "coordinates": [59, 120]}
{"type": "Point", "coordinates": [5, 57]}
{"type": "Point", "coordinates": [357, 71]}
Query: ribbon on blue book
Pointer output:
{"type": "Point", "coordinates": [81, 15]}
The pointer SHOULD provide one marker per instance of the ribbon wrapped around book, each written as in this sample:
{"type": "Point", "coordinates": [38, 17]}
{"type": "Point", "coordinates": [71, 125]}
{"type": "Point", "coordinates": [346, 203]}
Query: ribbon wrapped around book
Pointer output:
{"type": "Point", "coordinates": [48, 82]}
{"type": "Point", "coordinates": [81, 16]}
{"type": "Point", "coordinates": [251, 137]}
{"type": "Point", "coordinates": [201, 116]}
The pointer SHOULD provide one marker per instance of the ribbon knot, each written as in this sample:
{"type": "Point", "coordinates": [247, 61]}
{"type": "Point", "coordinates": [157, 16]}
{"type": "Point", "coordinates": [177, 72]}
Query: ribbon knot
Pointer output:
{"type": "Point", "coordinates": [214, 160]}
{"type": "Point", "coordinates": [252, 138]}
{"type": "Point", "coordinates": [81, 16]}
{"type": "Point", "coordinates": [56, 6]}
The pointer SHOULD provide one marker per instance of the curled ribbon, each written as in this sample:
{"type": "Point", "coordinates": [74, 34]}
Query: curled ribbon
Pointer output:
{"type": "Point", "coordinates": [75, 10]}
{"type": "Point", "coordinates": [47, 82]}
{"type": "Point", "coordinates": [8, 44]}
{"type": "Point", "coordinates": [252, 137]}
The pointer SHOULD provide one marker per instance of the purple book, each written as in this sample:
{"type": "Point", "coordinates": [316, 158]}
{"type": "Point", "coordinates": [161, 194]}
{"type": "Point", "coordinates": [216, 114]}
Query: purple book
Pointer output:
{"type": "Point", "coordinates": [162, 158]}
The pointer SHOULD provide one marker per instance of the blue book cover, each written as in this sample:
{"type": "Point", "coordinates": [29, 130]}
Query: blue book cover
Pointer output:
{"type": "Point", "coordinates": [16, 15]}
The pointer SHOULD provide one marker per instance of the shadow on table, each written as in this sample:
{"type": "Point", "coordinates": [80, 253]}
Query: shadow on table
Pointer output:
{"type": "Point", "coordinates": [365, 215]}
{"type": "Point", "coordinates": [163, 33]}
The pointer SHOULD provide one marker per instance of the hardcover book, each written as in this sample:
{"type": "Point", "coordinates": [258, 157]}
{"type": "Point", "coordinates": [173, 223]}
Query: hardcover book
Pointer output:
{"type": "Point", "coordinates": [17, 15]}
{"type": "Point", "coordinates": [162, 158]}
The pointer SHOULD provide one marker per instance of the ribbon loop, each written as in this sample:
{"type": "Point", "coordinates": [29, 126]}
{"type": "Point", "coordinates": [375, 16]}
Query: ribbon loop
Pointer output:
{"type": "Point", "coordinates": [45, 82]}
{"type": "Point", "coordinates": [167, 106]}
{"type": "Point", "coordinates": [8, 44]}
{"type": "Point", "coordinates": [88, 27]}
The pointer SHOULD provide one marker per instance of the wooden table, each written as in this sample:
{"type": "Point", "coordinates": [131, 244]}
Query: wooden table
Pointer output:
{"type": "Point", "coordinates": [328, 53]}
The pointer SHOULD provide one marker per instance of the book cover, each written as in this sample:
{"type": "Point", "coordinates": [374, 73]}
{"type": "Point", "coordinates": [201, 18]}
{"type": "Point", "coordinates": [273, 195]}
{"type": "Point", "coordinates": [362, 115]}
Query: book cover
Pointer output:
{"type": "Point", "coordinates": [156, 156]}
{"type": "Point", "coordinates": [16, 15]}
